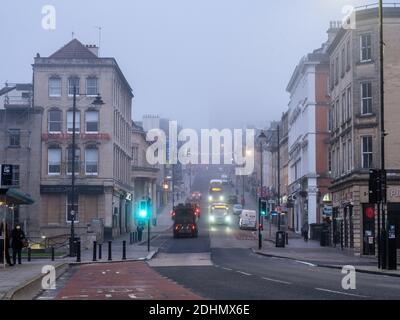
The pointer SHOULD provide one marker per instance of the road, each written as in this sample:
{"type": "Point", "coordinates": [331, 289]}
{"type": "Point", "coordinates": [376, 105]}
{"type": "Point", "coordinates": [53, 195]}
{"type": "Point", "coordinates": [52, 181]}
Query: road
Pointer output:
{"type": "Point", "coordinates": [220, 265]}
{"type": "Point", "coordinates": [237, 273]}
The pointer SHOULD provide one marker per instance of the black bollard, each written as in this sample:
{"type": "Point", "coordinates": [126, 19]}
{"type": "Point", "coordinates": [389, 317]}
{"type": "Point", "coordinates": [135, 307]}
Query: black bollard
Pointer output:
{"type": "Point", "coordinates": [100, 251]}
{"type": "Point", "coordinates": [287, 238]}
{"type": "Point", "coordinates": [109, 251]}
{"type": "Point", "coordinates": [94, 250]}
{"type": "Point", "coordinates": [78, 251]}
{"type": "Point", "coordinates": [29, 254]}
{"type": "Point", "coordinates": [134, 237]}
{"type": "Point", "coordinates": [123, 250]}
{"type": "Point", "coordinates": [52, 253]}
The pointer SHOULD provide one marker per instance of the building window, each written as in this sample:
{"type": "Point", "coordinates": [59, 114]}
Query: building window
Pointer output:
{"type": "Point", "coordinates": [54, 161]}
{"type": "Point", "coordinates": [366, 47]}
{"type": "Point", "coordinates": [333, 163]}
{"type": "Point", "coordinates": [91, 161]}
{"type": "Point", "coordinates": [77, 160]}
{"type": "Point", "coordinates": [349, 109]}
{"type": "Point", "coordinates": [70, 121]}
{"type": "Point", "coordinates": [92, 121]}
{"type": "Point", "coordinates": [366, 152]}
{"type": "Point", "coordinates": [15, 175]}
{"type": "Point", "coordinates": [349, 156]}
{"type": "Point", "coordinates": [54, 121]}
{"type": "Point", "coordinates": [330, 161]}
{"type": "Point", "coordinates": [72, 205]}
{"type": "Point", "coordinates": [366, 98]}
{"type": "Point", "coordinates": [337, 116]}
{"type": "Point", "coordinates": [343, 58]}
{"type": "Point", "coordinates": [337, 70]}
{"type": "Point", "coordinates": [344, 107]}
{"type": "Point", "coordinates": [54, 87]}
{"type": "Point", "coordinates": [330, 120]}
{"type": "Point", "coordinates": [348, 55]}
{"type": "Point", "coordinates": [73, 82]}
{"type": "Point", "coordinates": [15, 137]}
{"type": "Point", "coordinates": [344, 158]}
{"type": "Point", "coordinates": [91, 87]}
{"type": "Point", "coordinates": [135, 156]}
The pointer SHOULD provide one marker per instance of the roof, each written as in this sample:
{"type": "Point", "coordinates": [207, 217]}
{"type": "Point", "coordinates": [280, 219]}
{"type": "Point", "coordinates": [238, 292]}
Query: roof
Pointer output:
{"type": "Point", "coordinates": [74, 50]}
{"type": "Point", "coordinates": [6, 90]}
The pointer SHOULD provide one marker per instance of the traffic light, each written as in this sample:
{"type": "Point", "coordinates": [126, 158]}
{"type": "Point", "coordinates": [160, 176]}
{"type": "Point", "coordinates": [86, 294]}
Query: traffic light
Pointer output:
{"type": "Point", "coordinates": [144, 211]}
{"type": "Point", "coordinates": [264, 208]}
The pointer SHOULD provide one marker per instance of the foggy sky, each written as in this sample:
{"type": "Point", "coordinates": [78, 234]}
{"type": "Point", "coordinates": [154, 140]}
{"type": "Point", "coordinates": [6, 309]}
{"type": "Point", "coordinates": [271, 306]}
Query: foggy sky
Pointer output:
{"type": "Point", "coordinates": [205, 63]}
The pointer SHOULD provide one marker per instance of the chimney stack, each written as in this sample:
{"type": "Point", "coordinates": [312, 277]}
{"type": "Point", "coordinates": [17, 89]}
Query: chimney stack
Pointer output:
{"type": "Point", "coordinates": [333, 30]}
{"type": "Point", "coordinates": [93, 48]}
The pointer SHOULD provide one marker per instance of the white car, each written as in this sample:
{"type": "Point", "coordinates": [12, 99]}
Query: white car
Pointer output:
{"type": "Point", "coordinates": [237, 209]}
{"type": "Point", "coordinates": [248, 220]}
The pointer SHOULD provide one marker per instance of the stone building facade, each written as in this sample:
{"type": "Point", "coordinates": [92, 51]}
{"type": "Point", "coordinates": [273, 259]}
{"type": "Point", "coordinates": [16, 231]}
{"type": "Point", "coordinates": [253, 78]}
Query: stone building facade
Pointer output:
{"type": "Point", "coordinates": [20, 125]}
{"type": "Point", "coordinates": [103, 142]}
{"type": "Point", "coordinates": [354, 122]}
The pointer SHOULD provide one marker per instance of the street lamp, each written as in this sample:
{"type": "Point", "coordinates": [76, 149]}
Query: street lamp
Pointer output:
{"type": "Point", "coordinates": [97, 102]}
{"type": "Point", "coordinates": [262, 138]}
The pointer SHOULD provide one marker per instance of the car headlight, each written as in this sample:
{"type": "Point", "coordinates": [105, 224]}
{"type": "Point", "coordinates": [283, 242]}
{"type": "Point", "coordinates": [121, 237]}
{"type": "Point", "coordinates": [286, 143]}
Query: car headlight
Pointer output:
{"type": "Point", "coordinates": [210, 198]}
{"type": "Point", "coordinates": [221, 198]}
{"type": "Point", "coordinates": [212, 219]}
{"type": "Point", "coordinates": [228, 219]}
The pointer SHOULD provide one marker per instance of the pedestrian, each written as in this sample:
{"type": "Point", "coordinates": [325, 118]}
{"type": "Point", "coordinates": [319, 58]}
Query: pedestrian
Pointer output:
{"type": "Point", "coordinates": [304, 231]}
{"type": "Point", "coordinates": [17, 242]}
{"type": "Point", "coordinates": [140, 229]}
{"type": "Point", "coordinates": [5, 244]}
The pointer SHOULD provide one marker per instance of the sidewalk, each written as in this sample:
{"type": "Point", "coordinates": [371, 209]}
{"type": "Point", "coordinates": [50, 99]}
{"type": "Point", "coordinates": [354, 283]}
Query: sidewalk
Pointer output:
{"type": "Point", "coordinates": [13, 279]}
{"type": "Point", "coordinates": [311, 251]}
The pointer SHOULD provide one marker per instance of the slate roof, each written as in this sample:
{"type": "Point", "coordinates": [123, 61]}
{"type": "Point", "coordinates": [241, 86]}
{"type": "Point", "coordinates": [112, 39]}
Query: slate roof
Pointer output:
{"type": "Point", "coordinates": [74, 50]}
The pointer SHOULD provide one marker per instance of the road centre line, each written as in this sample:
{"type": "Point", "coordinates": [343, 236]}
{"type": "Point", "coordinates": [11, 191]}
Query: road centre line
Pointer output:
{"type": "Point", "coordinates": [340, 292]}
{"type": "Point", "coordinates": [275, 280]}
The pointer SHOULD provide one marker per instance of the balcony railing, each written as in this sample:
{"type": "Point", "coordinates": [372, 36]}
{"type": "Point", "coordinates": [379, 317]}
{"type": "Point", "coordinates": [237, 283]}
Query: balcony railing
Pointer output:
{"type": "Point", "coordinates": [17, 101]}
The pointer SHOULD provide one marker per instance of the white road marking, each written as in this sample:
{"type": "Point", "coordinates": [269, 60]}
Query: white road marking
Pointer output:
{"type": "Point", "coordinates": [108, 295]}
{"type": "Point", "coordinates": [132, 296]}
{"type": "Point", "coordinates": [244, 273]}
{"type": "Point", "coordinates": [340, 292]}
{"type": "Point", "coordinates": [278, 281]}
{"type": "Point", "coordinates": [227, 269]}
{"type": "Point", "coordinates": [306, 263]}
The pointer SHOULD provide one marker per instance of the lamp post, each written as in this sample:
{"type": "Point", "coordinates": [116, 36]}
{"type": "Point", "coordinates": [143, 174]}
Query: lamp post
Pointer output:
{"type": "Point", "coordinates": [262, 138]}
{"type": "Point", "coordinates": [97, 102]}
{"type": "Point", "coordinates": [382, 245]}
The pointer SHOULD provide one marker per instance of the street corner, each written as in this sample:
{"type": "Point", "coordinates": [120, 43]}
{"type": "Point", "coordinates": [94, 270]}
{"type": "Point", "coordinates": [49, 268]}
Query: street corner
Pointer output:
{"type": "Point", "coordinates": [122, 281]}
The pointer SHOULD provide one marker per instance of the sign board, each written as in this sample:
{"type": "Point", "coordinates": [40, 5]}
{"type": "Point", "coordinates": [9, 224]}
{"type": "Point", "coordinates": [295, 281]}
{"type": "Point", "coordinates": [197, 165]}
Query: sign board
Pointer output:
{"type": "Point", "coordinates": [328, 210]}
{"type": "Point", "coordinates": [6, 174]}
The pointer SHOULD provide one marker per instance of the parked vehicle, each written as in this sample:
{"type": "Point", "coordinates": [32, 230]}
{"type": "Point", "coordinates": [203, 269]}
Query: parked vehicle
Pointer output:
{"type": "Point", "coordinates": [248, 220]}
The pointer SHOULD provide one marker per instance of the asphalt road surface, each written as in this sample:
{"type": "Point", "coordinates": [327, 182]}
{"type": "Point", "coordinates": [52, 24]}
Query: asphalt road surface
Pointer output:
{"type": "Point", "coordinates": [220, 265]}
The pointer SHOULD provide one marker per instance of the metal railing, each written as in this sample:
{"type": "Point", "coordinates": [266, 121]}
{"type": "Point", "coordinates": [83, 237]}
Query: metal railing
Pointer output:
{"type": "Point", "coordinates": [376, 5]}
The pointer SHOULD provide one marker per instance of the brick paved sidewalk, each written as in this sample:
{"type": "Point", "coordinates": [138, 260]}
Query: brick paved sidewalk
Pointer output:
{"type": "Point", "coordinates": [122, 281]}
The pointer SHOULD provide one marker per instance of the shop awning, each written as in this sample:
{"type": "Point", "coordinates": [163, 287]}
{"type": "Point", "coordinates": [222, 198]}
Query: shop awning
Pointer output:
{"type": "Point", "coordinates": [13, 196]}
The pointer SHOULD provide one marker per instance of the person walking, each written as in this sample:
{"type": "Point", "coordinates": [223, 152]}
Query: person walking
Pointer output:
{"type": "Point", "coordinates": [304, 231]}
{"type": "Point", "coordinates": [5, 244]}
{"type": "Point", "coordinates": [17, 243]}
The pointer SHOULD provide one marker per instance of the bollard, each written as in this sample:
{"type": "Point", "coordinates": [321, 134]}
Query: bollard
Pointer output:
{"type": "Point", "coordinates": [109, 251]}
{"type": "Point", "coordinates": [52, 253]}
{"type": "Point", "coordinates": [134, 237]}
{"type": "Point", "coordinates": [287, 238]}
{"type": "Point", "coordinates": [29, 254]}
{"type": "Point", "coordinates": [94, 250]}
{"type": "Point", "coordinates": [123, 250]}
{"type": "Point", "coordinates": [100, 251]}
{"type": "Point", "coordinates": [78, 251]}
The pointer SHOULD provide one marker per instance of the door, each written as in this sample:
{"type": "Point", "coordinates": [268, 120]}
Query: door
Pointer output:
{"type": "Point", "coordinates": [369, 229]}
